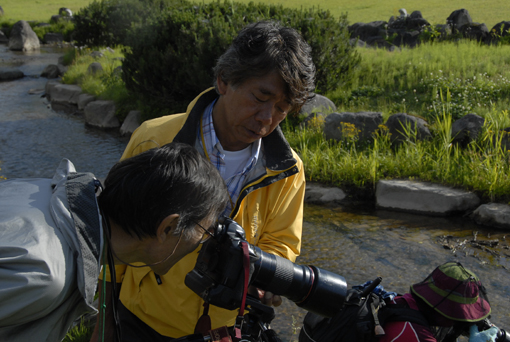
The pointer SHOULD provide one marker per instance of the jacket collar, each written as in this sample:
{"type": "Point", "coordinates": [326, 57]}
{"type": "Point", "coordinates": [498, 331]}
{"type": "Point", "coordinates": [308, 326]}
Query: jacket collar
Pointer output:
{"type": "Point", "coordinates": [278, 157]}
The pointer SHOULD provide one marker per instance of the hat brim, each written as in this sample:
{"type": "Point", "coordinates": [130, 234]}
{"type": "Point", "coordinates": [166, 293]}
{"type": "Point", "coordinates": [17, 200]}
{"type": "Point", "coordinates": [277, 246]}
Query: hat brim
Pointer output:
{"type": "Point", "coordinates": [465, 312]}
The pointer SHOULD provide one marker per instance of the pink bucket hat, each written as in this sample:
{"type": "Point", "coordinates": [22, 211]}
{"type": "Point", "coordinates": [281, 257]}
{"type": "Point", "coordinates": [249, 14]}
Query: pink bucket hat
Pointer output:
{"type": "Point", "coordinates": [455, 292]}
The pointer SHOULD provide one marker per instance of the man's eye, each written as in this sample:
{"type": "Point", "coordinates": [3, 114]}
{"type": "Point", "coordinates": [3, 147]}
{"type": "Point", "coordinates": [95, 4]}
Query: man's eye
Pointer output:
{"type": "Point", "coordinates": [258, 99]}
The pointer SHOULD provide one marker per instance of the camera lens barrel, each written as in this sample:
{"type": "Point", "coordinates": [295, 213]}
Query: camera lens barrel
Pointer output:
{"type": "Point", "coordinates": [310, 287]}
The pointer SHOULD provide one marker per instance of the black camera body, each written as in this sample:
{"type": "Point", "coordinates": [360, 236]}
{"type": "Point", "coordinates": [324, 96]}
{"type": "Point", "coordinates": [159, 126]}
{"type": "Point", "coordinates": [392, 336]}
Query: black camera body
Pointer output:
{"type": "Point", "coordinates": [218, 276]}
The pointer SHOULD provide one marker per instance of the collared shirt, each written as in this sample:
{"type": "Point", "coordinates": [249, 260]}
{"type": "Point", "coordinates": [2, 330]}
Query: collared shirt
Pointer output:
{"type": "Point", "coordinates": [214, 151]}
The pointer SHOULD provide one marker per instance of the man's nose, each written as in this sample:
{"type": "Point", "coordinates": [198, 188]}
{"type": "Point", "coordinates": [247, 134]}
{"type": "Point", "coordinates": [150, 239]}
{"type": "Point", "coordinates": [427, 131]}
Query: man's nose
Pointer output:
{"type": "Point", "coordinates": [265, 114]}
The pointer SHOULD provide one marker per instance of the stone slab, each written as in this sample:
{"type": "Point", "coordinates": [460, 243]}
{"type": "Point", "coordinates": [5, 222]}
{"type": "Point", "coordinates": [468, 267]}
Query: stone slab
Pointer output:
{"type": "Point", "coordinates": [423, 198]}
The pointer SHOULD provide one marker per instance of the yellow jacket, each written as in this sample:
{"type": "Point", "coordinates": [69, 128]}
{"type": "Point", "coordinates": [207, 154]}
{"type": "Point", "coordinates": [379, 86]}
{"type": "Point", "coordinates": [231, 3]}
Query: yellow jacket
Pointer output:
{"type": "Point", "coordinates": [269, 208]}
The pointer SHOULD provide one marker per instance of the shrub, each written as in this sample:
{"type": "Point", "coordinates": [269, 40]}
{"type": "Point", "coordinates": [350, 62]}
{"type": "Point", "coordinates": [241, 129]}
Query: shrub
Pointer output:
{"type": "Point", "coordinates": [170, 61]}
{"type": "Point", "coordinates": [65, 27]}
{"type": "Point", "coordinates": [106, 22]}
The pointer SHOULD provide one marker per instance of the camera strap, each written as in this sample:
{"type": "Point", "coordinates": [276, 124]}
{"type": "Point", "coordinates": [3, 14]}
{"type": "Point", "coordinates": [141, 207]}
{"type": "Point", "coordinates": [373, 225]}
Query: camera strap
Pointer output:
{"type": "Point", "coordinates": [246, 267]}
{"type": "Point", "coordinates": [203, 325]}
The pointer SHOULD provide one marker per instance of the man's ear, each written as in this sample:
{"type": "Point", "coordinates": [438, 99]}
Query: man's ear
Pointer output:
{"type": "Point", "coordinates": [166, 227]}
{"type": "Point", "coordinates": [222, 85]}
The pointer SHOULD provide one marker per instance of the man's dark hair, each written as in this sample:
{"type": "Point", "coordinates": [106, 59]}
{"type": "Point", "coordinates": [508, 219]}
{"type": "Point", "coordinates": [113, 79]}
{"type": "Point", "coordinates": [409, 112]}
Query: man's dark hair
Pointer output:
{"type": "Point", "coordinates": [263, 47]}
{"type": "Point", "coordinates": [173, 179]}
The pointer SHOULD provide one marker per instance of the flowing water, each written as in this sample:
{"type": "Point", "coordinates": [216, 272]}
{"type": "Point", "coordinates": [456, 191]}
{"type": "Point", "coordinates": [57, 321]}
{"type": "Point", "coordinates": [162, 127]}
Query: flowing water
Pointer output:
{"type": "Point", "coordinates": [403, 249]}
{"type": "Point", "coordinates": [359, 244]}
{"type": "Point", "coordinates": [33, 137]}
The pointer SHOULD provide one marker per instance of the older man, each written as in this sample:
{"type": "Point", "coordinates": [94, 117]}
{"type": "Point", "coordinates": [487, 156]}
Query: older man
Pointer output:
{"type": "Point", "coordinates": [265, 74]}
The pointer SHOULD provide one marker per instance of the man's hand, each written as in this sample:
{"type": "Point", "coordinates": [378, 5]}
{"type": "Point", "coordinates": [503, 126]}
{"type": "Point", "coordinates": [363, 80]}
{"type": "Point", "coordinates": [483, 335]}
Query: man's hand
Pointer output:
{"type": "Point", "coordinates": [488, 335]}
{"type": "Point", "coordinates": [266, 297]}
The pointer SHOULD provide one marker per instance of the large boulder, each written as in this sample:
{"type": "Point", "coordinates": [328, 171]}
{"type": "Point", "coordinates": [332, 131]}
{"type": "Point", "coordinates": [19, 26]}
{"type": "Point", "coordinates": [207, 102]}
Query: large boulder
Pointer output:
{"type": "Point", "coordinates": [318, 103]}
{"type": "Point", "coordinates": [64, 97]}
{"type": "Point", "coordinates": [132, 122]}
{"type": "Point", "coordinates": [94, 68]}
{"type": "Point", "coordinates": [101, 114]}
{"type": "Point", "coordinates": [423, 197]}
{"type": "Point", "coordinates": [23, 38]}
{"type": "Point", "coordinates": [458, 19]}
{"type": "Point", "coordinates": [65, 12]}
{"type": "Point", "coordinates": [316, 193]}
{"type": "Point", "coordinates": [10, 74]}
{"type": "Point", "coordinates": [493, 214]}
{"type": "Point", "coordinates": [467, 129]}
{"type": "Point", "coordinates": [51, 71]}
{"type": "Point", "coordinates": [84, 99]}
{"type": "Point", "coordinates": [50, 85]}
{"type": "Point", "coordinates": [364, 31]}
{"type": "Point", "coordinates": [339, 126]}
{"type": "Point", "coordinates": [475, 31]}
{"type": "Point", "coordinates": [51, 37]}
{"type": "Point", "coordinates": [404, 127]}
{"type": "Point", "coordinates": [501, 29]}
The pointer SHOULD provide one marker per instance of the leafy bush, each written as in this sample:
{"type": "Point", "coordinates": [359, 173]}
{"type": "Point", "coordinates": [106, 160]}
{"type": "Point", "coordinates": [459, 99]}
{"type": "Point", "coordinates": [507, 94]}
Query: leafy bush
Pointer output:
{"type": "Point", "coordinates": [170, 61]}
{"type": "Point", "coordinates": [65, 27]}
{"type": "Point", "coordinates": [106, 22]}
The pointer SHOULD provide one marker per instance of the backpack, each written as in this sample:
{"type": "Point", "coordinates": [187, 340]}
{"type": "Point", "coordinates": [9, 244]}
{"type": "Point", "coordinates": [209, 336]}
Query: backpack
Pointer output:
{"type": "Point", "coordinates": [361, 318]}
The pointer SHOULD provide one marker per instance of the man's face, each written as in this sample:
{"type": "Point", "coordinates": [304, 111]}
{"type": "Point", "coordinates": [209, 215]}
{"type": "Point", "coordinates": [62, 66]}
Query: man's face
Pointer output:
{"type": "Point", "coordinates": [160, 253]}
{"type": "Point", "coordinates": [182, 246]}
{"type": "Point", "coordinates": [249, 111]}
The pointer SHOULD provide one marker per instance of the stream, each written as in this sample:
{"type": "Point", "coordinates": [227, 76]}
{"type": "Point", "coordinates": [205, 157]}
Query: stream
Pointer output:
{"type": "Point", "coordinates": [359, 243]}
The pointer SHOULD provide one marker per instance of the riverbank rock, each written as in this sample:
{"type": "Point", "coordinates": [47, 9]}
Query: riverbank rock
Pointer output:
{"type": "Point", "coordinates": [493, 214]}
{"type": "Point", "coordinates": [64, 97]}
{"type": "Point", "coordinates": [404, 127]}
{"type": "Point", "coordinates": [51, 37]}
{"type": "Point", "coordinates": [318, 103]}
{"type": "Point", "coordinates": [316, 193]}
{"type": "Point", "coordinates": [360, 126]}
{"type": "Point", "coordinates": [84, 99]}
{"type": "Point", "coordinates": [48, 87]}
{"type": "Point", "coordinates": [51, 71]}
{"type": "Point", "coordinates": [132, 122]}
{"type": "Point", "coordinates": [10, 74]}
{"type": "Point", "coordinates": [101, 114]}
{"type": "Point", "coordinates": [467, 129]}
{"type": "Point", "coordinates": [23, 38]}
{"type": "Point", "coordinates": [423, 198]}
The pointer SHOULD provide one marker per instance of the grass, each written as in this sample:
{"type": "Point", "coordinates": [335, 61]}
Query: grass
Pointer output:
{"type": "Point", "coordinates": [482, 167]}
{"type": "Point", "coordinates": [489, 12]}
{"type": "Point", "coordinates": [474, 78]}
{"type": "Point", "coordinates": [38, 10]}
{"type": "Point", "coordinates": [105, 85]}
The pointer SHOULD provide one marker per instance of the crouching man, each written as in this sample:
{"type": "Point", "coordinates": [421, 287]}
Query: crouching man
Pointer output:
{"type": "Point", "coordinates": [55, 233]}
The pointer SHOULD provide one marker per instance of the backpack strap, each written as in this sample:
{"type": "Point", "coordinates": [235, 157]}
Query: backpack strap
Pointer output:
{"type": "Point", "coordinates": [401, 313]}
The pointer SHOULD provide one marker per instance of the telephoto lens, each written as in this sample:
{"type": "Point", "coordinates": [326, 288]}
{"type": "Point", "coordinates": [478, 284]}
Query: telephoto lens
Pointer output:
{"type": "Point", "coordinates": [218, 276]}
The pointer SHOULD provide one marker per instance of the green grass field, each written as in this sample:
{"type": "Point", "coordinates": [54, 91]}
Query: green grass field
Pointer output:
{"type": "Point", "coordinates": [38, 10]}
{"type": "Point", "coordinates": [489, 12]}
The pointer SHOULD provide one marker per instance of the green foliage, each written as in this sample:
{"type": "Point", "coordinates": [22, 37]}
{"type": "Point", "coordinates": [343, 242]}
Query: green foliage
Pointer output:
{"type": "Point", "coordinates": [106, 22]}
{"type": "Point", "coordinates": [65, 27]}
{"type": "Point", "coordinates": [483, 166]}
{"type": "Point", "coordinates": [170, 61]}
{"type": "Point", "coordinates": [79, 333]}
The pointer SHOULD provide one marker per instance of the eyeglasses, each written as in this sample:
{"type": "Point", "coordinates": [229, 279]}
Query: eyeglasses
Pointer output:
{"type": "Point", "coordinates": [207, 234]}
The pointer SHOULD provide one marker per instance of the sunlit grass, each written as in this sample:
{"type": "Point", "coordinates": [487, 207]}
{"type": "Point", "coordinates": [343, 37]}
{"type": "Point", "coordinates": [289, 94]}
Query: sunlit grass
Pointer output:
{"type": "Point", "coordinates": [472, 78]}
{"type": "Point", "coordinates": [38, 10]}
{"type": "Point", "coordinates": [483, 166]}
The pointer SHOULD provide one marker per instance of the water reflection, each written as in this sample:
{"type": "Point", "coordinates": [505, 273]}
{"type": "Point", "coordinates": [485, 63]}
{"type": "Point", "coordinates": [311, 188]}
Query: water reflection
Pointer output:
{"type": "Point", "coordinates": [402, 248]}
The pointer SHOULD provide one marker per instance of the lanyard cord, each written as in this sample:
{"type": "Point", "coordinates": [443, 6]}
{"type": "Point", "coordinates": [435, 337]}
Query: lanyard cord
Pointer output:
{"type": "Point", "coordinates": [113, 282]}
